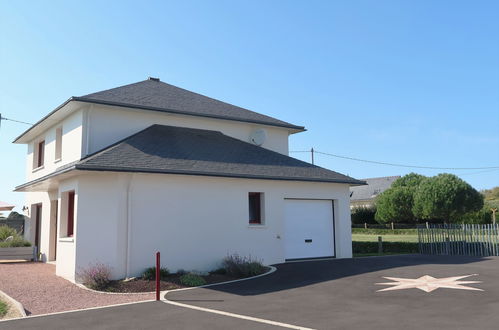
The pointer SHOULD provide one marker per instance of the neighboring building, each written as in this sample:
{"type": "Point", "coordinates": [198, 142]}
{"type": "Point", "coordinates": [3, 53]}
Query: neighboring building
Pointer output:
{"type": "Point", "coordinates": [364, 196]}
{"type": "Point", "coordinates": [114, 176]}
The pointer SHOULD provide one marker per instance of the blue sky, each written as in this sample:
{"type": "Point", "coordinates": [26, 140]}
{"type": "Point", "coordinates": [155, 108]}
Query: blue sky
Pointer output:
{"type": "Point", "coordinates": [412, 82]}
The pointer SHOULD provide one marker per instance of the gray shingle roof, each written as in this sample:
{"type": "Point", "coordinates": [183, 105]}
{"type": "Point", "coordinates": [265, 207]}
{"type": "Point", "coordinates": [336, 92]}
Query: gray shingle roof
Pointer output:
{"type": "Point", "coordinates": [153, 94]}
{"type": "Point", "coordinates": [374, 187]}
{"type": "Point", "coordinates": [177, 150]}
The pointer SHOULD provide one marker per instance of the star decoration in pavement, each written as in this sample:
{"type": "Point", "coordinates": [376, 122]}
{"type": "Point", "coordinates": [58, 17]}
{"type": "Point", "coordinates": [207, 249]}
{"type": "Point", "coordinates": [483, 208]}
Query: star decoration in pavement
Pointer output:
{"type": "Point", "coordinates": [429, 283]}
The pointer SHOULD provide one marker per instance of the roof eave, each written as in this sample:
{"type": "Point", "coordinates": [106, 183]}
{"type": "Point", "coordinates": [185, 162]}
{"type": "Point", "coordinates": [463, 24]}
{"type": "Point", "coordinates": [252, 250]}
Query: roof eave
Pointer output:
{"type": "Point", "coordinates": [134, 106]}
{"type": "Point", "coordinates": [17, 139]}
{"type": "Point", "coordinates": [84, 167]}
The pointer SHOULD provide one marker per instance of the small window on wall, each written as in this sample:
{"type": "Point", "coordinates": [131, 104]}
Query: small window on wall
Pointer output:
{"type": "Point", "coordinates": [255, 200]}
{"type": "Point", "coordinates": [71, 214]}
{"type": "Point", "coordinates": [38, 154]}
{"type": "Point", "coordinates": [58, 144]}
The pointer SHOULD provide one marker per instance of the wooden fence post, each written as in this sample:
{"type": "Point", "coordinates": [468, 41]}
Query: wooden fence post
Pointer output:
{"type": "Point", "coordinates": [365, 225]}
{"type": "Point", "coordinates": [392, 225]}
{"type": "Point", "coordinates": [380, 245]}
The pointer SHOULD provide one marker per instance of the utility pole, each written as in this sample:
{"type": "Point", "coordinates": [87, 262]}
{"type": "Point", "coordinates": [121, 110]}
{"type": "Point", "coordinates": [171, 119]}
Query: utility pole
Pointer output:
{"type": "Point", "coordinates": [494, 215]}
{"type": "Point", "coordinates": [312, 153]}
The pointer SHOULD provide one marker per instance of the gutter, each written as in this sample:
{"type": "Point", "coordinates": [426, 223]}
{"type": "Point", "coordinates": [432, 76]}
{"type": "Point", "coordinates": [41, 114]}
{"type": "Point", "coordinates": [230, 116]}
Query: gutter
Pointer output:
{"type": "Point", "coordinates": [86, 100]}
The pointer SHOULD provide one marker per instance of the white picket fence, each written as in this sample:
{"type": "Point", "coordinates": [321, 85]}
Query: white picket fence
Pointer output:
{"type": "Point", "coordinates": [459, 239]}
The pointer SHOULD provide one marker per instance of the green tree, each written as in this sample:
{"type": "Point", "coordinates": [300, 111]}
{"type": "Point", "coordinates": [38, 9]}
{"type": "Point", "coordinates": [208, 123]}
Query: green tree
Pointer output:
{"type": "Point", "coordinates": [395, 204]}
{"type": "Point", "coordinates": [445, 197]}
{"type": "Point", "coordinates": [411, 180]}
{"type": "Point", "coordinates": [491, 194]}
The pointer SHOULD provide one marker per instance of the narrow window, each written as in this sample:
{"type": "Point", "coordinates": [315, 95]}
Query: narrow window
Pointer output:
{"type": "Point", "coordinates": [58, 143]}
{"type": "Point", "coordinates": [71, 213]}
{"type": "Point", "coordinates": [39, 154]}
{"type": "Point", "coordinates": [255, 208]}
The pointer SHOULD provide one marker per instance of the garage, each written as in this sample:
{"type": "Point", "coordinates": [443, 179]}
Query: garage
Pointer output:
{"type": "Point", "coordinates": [308, 229]}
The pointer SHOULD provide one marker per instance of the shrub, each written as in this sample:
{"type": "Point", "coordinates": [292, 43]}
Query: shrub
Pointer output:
{"type": "Point", "coordinates": [96, 276]}
{"type": "Point", "coordinates": [192, 280]}
{"type": "Point", "coordinates": [17, 240]}
{"type": "Point", "coordinates": [361, 215]}
{"type": "Point", "coordinates": [6, 232]}
{"type": "Point", "coordinates": [219, 271]}
{"type": "Point", "coordinates": [150, 273]}
{"type": "Point", "coordinates": [238, 266]}
{"type": "Point", "coordinates": [4, 308]}
{"type": "Point", "coordinates": [388, 247]}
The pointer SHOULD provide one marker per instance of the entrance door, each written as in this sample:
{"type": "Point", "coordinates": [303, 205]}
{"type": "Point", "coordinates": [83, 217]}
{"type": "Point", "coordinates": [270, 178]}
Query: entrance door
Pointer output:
{"type": "Point", "coordinates": [308, 228]}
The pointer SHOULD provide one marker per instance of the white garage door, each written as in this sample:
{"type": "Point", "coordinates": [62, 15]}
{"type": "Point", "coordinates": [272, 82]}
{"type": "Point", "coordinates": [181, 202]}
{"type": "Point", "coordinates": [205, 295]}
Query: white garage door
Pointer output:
{"type": "Point", "coordinates": [308, 228]}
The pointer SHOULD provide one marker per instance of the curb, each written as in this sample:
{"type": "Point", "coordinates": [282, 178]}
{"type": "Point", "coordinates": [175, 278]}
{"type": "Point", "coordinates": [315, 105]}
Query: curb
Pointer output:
{"type": "Point", "coordinates": [15, 303]}
{"type": "Point", "coordinates": [116, 293]}
{"type": "Point", "coordinates": [270, 271]}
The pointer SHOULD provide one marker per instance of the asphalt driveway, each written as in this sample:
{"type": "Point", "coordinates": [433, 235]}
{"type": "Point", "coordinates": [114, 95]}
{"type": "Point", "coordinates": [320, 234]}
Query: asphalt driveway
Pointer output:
{"type": "Point", "coordinates": [330, 294]}
{"type": "Point", "coordinates": [342, 294]}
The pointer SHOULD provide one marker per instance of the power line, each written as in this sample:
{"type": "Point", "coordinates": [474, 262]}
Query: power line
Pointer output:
{"type": "Point", "coordinates": [398, 165]}
{"type": "Point", "coordinates": [14, 120]}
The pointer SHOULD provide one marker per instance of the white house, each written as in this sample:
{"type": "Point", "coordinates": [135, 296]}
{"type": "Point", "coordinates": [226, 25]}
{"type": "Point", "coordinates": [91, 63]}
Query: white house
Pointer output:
{"type": "Point", "coordinates": [114, 176]}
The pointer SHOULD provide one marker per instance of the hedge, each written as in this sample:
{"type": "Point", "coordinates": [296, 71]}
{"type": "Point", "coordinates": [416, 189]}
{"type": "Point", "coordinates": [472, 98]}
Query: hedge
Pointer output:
{"type": "Point", "coordinates": [373, 231]}
{"type": "Point", "coordinates": [388, 247]}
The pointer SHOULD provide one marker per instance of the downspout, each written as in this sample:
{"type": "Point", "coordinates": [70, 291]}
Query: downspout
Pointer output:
{"type": "Point", "coordinates": [128, 224]}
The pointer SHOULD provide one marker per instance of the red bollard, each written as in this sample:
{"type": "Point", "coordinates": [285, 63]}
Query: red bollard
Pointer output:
{"type": "Point", "coordinates": [158, 266]}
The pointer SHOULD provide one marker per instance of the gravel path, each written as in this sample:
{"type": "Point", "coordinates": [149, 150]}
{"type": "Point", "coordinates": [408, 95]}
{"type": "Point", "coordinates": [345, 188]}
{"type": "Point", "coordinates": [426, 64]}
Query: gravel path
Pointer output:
{"type": "Point", "coordinates": [36, 286]}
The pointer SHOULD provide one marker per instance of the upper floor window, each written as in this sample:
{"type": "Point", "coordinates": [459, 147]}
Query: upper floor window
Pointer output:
{"type": "Point", "coordinates": [39, 154]}
{"type": "Point", "coordinates": [58, 144]}
{"type": "Point", "coordinates": [255, 200]}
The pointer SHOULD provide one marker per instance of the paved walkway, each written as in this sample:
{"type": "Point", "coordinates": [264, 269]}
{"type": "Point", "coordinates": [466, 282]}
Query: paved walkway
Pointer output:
{"type": "Point", "coordinates": [36, 286]}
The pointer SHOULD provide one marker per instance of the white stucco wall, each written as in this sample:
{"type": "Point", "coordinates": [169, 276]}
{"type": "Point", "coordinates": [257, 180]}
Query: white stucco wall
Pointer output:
{"type": "Point", "coordinates": [71, 146]}
{"type": "Point", "coordinates": [193, 221]}
{"type": "Point", "coordinates": [107, 125]}
{"type": "Point", "coordinates": [66, 247]}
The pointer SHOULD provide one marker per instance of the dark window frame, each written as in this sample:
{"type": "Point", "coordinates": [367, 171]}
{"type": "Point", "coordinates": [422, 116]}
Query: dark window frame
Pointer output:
{"type": "Point", "coordinates": [41, 154]}
{"type": "Point", "coordinates": [71, 214]}
{"type": "Point", "coordinates": [255, 201]}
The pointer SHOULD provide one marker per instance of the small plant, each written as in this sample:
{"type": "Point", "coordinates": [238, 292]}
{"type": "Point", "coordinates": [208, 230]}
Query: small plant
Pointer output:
{"type": "Point", "coordinates": [192, 280]}
{"type": "Point", "coordinates": [238, 266]}
{"type": "Point", "coordinates": [97, 276]}
{"type": "Point", "coordinates": [4, 308]}
{"type": "Point", "coordinates": [150, 273]}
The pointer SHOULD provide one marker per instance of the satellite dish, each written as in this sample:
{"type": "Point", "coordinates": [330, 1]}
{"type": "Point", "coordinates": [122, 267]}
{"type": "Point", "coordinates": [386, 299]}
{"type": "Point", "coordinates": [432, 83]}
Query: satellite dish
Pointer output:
{"type": "Point", "coordinates": [258, 137]}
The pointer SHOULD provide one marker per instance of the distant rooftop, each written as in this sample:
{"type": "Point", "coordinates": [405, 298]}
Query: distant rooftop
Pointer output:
{"type": "Point", "coordinates": [374, 187]}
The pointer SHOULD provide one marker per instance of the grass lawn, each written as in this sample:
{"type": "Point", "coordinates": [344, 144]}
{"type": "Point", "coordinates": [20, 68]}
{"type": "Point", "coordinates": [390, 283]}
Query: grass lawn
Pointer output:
{"type": "Point", "coordinates": [385, 237]}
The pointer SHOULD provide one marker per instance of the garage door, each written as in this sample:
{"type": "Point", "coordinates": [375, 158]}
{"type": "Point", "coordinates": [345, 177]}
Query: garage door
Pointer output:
{"type": "Point", "coordinates": [308, 228]}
